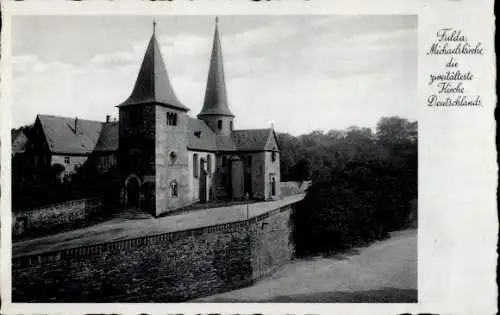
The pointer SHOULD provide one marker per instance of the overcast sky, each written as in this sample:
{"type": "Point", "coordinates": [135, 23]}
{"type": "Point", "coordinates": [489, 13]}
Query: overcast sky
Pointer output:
{"type": "Point", "coordinates": [300, 73]}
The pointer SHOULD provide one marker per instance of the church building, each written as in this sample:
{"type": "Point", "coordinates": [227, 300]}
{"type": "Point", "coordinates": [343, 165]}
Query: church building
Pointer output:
{"type": "Point", "coordinates": [168, 160]}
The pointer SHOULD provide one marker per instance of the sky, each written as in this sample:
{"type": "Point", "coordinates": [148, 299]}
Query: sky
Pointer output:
{"type": "Point", "coordinates": [297, 73]}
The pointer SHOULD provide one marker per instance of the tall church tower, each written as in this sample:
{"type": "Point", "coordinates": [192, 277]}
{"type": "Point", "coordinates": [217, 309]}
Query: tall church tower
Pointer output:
{"type": "Point", "coordinates": [152, 154]}
{"type": "Point", "coordinates": [215, 111]}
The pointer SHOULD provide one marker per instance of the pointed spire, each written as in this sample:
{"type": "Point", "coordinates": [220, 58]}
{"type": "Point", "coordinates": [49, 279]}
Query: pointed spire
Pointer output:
{"type": "Point", "coordinates": [153, 84]}
{"type": "Point", "coordinates": [216, 96]}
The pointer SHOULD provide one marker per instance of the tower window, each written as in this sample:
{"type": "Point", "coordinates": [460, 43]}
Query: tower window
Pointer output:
{"type": "Point", "coordinates": [195, 165]}
{"type": "Point", "coordinates": [219, 124]}
{"type": "Point", "coordinates": [273, 156]}
{"type": "Point", "coordinates": [171, 119]}
{"type": "Point", "coordinates": [273, 187]}
{"type": "Point", "coordinates": [173, 188]}
{"type": "Point", "coordinates": [231, 125]}
{"type": "Point", "coordinates": [173, 157]}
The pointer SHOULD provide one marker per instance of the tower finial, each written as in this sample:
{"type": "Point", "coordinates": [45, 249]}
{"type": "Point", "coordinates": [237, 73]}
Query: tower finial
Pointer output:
{"type": "Point", "coordinates": [216, 21]}
{"type": "Point", "coordinates": [154, 26]}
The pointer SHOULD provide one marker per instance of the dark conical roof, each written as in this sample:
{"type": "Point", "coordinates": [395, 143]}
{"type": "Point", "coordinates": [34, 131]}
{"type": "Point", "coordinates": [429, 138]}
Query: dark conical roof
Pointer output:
{"type": "Point", "coordinates": [216, 96]}
{"type": "Point", "coordinates": [152, 84]}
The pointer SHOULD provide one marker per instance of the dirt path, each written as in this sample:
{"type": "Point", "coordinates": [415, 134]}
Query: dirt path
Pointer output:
{"type": "Point", "coordinates": [386, 271]}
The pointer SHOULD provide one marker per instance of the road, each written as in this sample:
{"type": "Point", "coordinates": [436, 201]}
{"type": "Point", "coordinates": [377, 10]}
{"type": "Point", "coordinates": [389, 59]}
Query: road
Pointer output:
{"type": "Point", "coordinates": [385, 271]}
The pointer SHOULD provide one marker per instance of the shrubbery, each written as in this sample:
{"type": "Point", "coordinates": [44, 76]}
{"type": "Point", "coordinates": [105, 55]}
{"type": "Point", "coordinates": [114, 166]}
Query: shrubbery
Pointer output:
{"type": "Point", "coordinates": [35, 191]}
{"type": "Point", "coordinates": [359, 197]}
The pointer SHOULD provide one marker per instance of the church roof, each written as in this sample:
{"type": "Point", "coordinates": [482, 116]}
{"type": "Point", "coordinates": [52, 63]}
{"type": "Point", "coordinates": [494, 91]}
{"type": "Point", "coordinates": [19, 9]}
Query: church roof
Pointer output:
{"type": "Point", "coordinates": [215, 102]}
{"type": "Point", "coordinates": [200, 136]}
{"type": "Point", "coordinates": [94, 136]}
{"type": "Point", "coordinates": [153, 84]}
{"type": "Point", "coordinates": [255, 140]}
{"type": "Point", "coordinates": [62, 137]}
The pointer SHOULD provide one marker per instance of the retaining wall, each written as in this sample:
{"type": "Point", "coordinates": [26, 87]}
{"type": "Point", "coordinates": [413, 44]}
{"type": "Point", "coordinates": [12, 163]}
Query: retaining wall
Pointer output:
{"type": "Point", "coordinates": [170, 267]}
{"type": "Point", "coordinates": [54, 216]}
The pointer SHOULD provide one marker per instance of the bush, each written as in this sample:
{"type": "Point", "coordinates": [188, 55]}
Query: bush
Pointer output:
{"type": "Point", "coordinates": [358, 205]}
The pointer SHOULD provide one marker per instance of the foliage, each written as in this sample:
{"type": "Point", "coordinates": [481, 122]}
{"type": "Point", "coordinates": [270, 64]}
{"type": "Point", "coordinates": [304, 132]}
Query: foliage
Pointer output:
{"type": "Point", "coordinates": [32, 187]}
{"type": "Point", "coordinates": [363, 184]}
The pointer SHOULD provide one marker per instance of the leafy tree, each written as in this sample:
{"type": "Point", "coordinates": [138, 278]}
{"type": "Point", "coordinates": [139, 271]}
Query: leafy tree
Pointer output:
{"type": "Point", "coordinates": [363, 183]}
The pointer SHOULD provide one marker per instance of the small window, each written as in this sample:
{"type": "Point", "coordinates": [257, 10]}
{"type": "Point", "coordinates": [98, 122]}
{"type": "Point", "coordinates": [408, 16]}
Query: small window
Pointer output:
{"type": "Point", "coordinates": [231, 125]}
{"type": "Point", "coordinates": [171, 119]}
{"type": "Point", "coordinates": [209, 164]}
{"type": "Point", "coordinates": [173, 189]}
{"type": "Point", "coordinates": [219, 124]}
{"type": "Point", "coordinates": [195, 165]}
{"type": "Point", "coordinates": [273, 156]}
{"type": "Point", "coordinates": [273, 187]}
{"type": "Point", "coordinates": [224, 160]}
{"type": "Point", "coordinates": [173, 157]}
{"type": "Point", "coordinates": [66, 160]}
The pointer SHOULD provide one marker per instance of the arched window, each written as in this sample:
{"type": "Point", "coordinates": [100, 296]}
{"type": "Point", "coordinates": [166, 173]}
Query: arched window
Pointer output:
{"type": "Point", "coordinates": [219, 124]}
{"type": "Point", "coordinates": [173, 157]}
{"type": "Point", "coordinates": [209, 164]}
{"type": "Point", "coordinates": [273, 186]}
{"type": "Point", "coordinates": [173, 189]}
{"type": "Point", "coordinates": [196, 170]}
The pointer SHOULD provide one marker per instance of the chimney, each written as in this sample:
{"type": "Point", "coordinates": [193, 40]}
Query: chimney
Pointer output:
{"type": "Point", "coordinates": [108, 118]}
{"type": "Point", "coordinates": [76, 123]}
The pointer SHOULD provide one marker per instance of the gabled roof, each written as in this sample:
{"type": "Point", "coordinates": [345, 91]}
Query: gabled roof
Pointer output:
{"type": "Point", "coordinates": [62, 137]}
{"type": "Point", "coordinates": [153, 84]}
{"type": "Point", "coordinates": [255, 140]}
{"type": "Point", "coordinates": [200, 136]}
{"type": "Point", "coordinates": [108, 139]}
{"type": "Point", "coordinates": [225, 143]}
{"type": "Point", "coordinates": [216, 95]}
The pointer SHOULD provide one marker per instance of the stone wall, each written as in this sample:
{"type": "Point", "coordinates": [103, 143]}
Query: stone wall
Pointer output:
{"type": "Point", "coordinates": [171, 169]}
{"type": "Point", "coordinates": [54, 216]}
{"type": "Point", "coordinates": [169, 267]}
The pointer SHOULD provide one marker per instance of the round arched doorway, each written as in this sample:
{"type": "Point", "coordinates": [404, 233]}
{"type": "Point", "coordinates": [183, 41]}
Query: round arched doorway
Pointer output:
{"type": "Point", "coordinates": [133, 192]}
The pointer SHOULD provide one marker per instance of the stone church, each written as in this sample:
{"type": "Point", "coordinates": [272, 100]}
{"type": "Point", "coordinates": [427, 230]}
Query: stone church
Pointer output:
{"type": "Point", "coordinates": [168, 160]}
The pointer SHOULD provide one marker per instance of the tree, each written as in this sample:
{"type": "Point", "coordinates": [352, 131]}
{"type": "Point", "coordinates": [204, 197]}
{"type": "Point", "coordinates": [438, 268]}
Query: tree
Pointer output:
{"type": "Point", "coordinates": [56, 172]}
{"type": "Point", "coordinates": [302, 170]}
{"type": "Point", "coordinates": [395, 130]}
